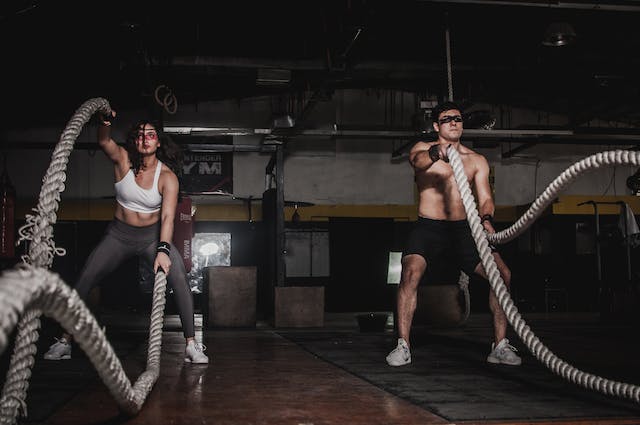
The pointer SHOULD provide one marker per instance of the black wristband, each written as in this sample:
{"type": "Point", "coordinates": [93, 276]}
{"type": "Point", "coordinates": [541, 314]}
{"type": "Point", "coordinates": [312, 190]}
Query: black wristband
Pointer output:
{"type": "Point", "coordinates": [487, 217]}
{"type": "Point", "coordinates": [163, 247]}
{"type": "Point", "coordinates": [434, 153]}
{"type": "Point", "coordinates": [105, 119]}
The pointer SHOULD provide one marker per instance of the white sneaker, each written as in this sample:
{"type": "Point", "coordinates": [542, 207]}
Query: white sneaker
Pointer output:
{"type": "Point", "coordinates": [61, 350]}
{"type": "Point", "coordinates": [194, 353]}
{"type": "Point", "coordinates": [504, 353]}
{"type": "Point", "coordinates": [401, 355]}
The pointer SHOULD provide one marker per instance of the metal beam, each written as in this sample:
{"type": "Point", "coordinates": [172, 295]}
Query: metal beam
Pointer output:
{"type": "Point", "coordinates": [586, 136]}
{"type": "Point", "coordinates": [512, 152]}
{"type": "Point", "coordinates": [280, 234]}
{"type": "Point", "coordinates": [206, 147]}
{"type": "Point", "coordinates": [537, 136]}
{"type": "Point", "coordinates": [620, 6]}
{"type": "Point", "coordinates": [239, 62]}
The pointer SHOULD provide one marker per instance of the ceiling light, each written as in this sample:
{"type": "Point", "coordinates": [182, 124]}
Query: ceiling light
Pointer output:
{"type": "Point", "coordinates": [559, 34]}
{"type": "Point", "coordinates": [271, 76]}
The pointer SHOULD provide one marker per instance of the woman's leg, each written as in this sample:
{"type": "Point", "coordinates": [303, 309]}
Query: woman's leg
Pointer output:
{"type": "Point", "coordinates": [177, 279]}
{"type": "Point", "coordinates": [110, 252]}
{"type": "Point", "coordinates": [103, 260]}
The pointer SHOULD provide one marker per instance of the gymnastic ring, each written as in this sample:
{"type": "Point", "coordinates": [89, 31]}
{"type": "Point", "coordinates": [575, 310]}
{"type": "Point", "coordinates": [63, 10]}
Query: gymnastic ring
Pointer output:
{"type": "Point", "coordinates": [170, 103]}
{"type": "Point", "coordinates": [156, 94]}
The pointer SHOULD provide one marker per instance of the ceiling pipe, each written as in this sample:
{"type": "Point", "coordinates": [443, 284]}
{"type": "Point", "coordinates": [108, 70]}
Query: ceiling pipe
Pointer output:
{"type": "Point", "coordinates": [619, 7]}
{"type": "Point", "coordinates": [508, 135]}
{"type": "Point", "coordinates": [447, 38]}
{"type": "Point", "coordinates": [318, 65]}
{"type": "Point", "coordinates": [238, 62]}
{"type": "Point", "coordinates": [526, 137]}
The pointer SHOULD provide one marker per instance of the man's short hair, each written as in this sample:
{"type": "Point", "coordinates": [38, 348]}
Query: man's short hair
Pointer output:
{"type": "Point", "coordinates": [441, 107]}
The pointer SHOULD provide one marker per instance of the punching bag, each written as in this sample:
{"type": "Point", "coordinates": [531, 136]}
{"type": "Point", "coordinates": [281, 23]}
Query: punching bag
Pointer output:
{"type": "Point", "coordinates": [7, 207]}
{"type": "Point", "coordinates": [183, 230]}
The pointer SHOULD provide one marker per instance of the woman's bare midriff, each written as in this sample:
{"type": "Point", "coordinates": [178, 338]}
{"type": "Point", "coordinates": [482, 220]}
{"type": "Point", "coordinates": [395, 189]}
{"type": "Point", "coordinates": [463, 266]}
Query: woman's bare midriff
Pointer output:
{"type": "Point", "coordinates": [137, 219]}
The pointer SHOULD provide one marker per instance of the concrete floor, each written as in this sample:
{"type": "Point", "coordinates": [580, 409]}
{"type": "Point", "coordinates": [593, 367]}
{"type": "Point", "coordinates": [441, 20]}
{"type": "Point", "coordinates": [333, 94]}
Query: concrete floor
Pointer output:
{"type": "Point", "coordinates": [337, 375]}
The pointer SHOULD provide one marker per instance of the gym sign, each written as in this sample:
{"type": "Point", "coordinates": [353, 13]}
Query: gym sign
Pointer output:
{"type": "Point", "coordinates": [207, 172]}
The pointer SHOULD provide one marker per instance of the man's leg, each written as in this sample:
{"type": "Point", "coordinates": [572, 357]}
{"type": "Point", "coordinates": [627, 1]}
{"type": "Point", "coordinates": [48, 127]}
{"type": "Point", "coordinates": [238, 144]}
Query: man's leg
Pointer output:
{"type": "Point", "coordinates": [499, 318]}
{"type": "Point", "coordinates": [501, 352]}
{"type": "Point", "coordinates": [413, 267]}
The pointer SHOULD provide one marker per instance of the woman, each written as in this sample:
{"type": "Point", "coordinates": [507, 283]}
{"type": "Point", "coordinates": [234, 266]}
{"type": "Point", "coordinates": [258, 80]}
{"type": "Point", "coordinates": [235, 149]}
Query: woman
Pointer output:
{"type": "Point", "coordinates": [147, 195]}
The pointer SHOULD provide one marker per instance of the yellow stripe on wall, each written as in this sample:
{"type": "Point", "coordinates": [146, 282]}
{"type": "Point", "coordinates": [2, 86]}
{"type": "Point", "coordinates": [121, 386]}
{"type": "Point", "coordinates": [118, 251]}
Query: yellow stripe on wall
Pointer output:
{"type": "Point", "coordinates": [569, 204]}
{"type": "Point", "coordinates": [103, 210]}
{"type": "Point", "coordinates": [91, 210]}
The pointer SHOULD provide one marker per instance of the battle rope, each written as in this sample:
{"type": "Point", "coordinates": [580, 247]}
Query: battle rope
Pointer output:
{"type": "Point", "coordinates": [537, 348]}
{"type": "Point", "coordinates": [617, 157]}
{"type": "Point", "coordinates": [463, 284]}
{"type": "Point", "coordinates": [38, 230]}
{"type": "Point", "coordinates": [28, 288]}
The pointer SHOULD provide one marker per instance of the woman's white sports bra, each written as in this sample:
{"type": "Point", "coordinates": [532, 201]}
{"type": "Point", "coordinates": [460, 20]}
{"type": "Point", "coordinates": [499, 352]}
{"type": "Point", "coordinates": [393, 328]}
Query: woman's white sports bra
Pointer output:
{"type": "Point", "coordinates": [134, 198]}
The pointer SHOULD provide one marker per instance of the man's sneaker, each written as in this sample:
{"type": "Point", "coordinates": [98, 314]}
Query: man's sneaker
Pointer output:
{"type": "Point", "coordinates": [194, 353]}
{"type": "Point", "coordinates": [61, 350]}
{"type": "Point", "coordinates": [401, 355]}
{"type": "Point", "coordinates": [504, 353]}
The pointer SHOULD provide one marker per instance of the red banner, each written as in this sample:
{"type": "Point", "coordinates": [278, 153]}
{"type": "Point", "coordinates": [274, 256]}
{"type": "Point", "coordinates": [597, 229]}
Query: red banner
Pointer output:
{"type": "Point", "coordinates": [183, 230]}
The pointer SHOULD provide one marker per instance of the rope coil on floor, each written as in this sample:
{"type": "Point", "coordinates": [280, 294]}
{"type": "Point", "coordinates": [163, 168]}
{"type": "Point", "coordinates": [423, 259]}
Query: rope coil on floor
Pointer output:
{"type": "Point", "coordinates": [29, 290]}
{"type": "Point", "coordinates": [537, 348]}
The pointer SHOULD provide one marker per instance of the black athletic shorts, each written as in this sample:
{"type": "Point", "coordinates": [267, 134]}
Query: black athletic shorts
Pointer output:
{"type": "Point", "coordinates": [443, 240]}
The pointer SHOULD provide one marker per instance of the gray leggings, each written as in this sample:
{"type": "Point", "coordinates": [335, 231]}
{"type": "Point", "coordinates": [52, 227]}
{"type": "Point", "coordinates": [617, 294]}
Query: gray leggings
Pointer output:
{"type": "Point", "coordinates": [122, 241]}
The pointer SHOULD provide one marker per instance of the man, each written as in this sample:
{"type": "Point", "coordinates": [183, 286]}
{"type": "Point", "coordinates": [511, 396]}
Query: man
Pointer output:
{"type": "Point", "coordinates": [442, 228]}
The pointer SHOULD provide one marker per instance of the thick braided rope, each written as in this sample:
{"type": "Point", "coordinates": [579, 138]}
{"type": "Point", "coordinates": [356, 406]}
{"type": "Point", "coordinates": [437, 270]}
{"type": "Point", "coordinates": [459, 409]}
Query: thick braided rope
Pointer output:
{"type": "Point", "coordinates": [617, 157]}
{"type": "Point", "coordinates": [37, 289]}
{"type": "Point", "coordinates": [537, 348]}
{"type": "Point", "coordinates": [463, 284]}
{"type": "Point", "coordinates": [39, 230]}
{"type": "Point", "coordinates": [14, 391]}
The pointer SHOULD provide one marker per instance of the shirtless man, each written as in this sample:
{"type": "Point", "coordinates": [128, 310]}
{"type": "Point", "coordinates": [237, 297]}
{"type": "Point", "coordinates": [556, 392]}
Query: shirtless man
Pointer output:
{"type": "Point", "coordinates": [442, 227]}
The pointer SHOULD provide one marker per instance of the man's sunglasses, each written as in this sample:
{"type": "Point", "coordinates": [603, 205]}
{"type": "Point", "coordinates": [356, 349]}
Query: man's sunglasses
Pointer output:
{"type": "Point", "coordinates": [449, 118]}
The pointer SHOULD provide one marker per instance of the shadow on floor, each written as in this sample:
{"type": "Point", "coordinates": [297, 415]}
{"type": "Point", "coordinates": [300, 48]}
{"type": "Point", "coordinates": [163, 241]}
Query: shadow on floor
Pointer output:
{"type": "Point", "coordinates": [450, 377]}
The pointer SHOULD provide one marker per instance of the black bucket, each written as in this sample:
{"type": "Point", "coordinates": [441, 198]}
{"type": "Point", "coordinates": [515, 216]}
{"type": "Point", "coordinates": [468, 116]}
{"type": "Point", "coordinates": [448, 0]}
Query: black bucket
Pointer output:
{"type": "Point", "coordinates": [372, 322]}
